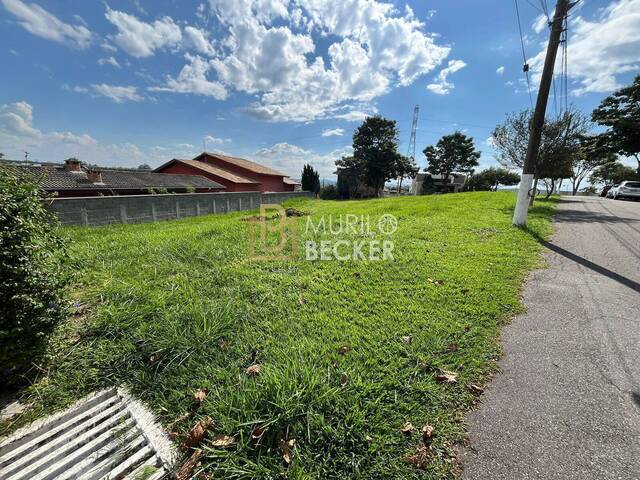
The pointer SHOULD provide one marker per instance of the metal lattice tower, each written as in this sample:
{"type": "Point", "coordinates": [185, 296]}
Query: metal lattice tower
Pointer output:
{"type": "Point", "coordinates": [411, 151]}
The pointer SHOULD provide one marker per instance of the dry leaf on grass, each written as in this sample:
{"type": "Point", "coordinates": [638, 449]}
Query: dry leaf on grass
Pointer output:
{"type": "Point", "coordinates": [253, 370]}
{"type": "Point", "coordinates": [343, 350]}
{"type": "Point", "coordinates": [186, 469]}
{"type": "Point", "coordinates": [222, 441]}
{"type": "Point", "coordinates": [199, 396]}
{"type": "Point", "coordinates": [344, 379]}
{"type": "Point", "coordinates": [302, 301]}
{"type": "Point", "coordinates": [447, 377]}
{"type": "Point", "coordinates": [197, 433]}
{"type": "Point", "coordinates": [287, 448]}
{"type": "Point", "coordinates": [453, 347]}
{"type": "Point", "coordinates": [420, 459]}
{"type": "Point", "coordinates": [427, 432]}
{"type": "Point", "coordinates": [407, 339]}
{"type": "Point", "coordinates": [407, 428]}
{"type": "Point", "coordinates": [475, 389]}
{"type": "Point", "coordinates": [257, 433]}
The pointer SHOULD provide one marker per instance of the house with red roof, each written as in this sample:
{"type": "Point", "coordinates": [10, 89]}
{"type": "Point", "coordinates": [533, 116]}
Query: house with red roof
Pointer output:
{"type": "Point", "coordinates": [236, 174]}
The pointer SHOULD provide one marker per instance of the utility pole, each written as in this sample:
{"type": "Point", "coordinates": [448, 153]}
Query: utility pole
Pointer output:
{"type": "Point", "coordinates": [529, 167]}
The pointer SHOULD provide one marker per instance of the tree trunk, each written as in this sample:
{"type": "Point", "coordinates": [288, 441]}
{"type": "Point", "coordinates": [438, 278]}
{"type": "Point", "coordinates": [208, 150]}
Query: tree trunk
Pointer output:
{"type": "Point", "coordinates": [400, 185]}
{"type": "Point", "coordinates": [550, 190]}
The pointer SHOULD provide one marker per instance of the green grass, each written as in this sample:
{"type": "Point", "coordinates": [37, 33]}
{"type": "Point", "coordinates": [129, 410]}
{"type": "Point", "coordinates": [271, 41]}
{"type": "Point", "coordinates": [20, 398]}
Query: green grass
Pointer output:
{"type": "Point", "coordinates": [177, 306]}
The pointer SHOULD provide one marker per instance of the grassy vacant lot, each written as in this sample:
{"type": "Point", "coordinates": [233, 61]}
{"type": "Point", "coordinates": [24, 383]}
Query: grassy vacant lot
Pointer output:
{"type": "Point", "coordinates": [169, 308]}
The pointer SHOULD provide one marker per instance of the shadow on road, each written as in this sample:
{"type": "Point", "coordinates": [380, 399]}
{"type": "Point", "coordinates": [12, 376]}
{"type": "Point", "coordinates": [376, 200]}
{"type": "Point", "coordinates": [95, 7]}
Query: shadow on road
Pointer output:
{"type": "Point", "coordinates": [632, 284]}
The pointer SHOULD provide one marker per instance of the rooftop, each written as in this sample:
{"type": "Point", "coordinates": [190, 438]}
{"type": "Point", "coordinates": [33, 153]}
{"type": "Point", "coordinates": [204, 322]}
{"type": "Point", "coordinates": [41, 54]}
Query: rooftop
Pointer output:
{"type": "Point", "coordinates": [220, 172]}
{"type": "Point", "coordinates": [56, 177]}
{"type": "Point", "coordinates": [242, 163]}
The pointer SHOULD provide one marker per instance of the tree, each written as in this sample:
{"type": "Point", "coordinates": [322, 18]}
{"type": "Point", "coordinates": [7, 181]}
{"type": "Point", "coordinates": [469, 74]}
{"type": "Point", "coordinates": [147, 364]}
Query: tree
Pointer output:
{"type": "Point", "coordinates": [612, 173]}
{"type": "Point", "coordinates": [1, 155]}
{"type": "Point", "coordinates": [621, 113]}
{"type": "Point", "coordinates": [428, 186]}
{"type": "Point", "coordinates": [558, 143]}
{"type": "Point", "coordinates": [405, 168]}
{"type": "Point", "coordinates": [491, 178]}
{"type": "Point", "coordinates": [375, 144]}
{"type": "Point", "coordinates": [350, 176]}
{"type": "Point", "coordinates": [453, 153]}
{"type": "Point", "coordinates": [310, 179]}
{"type": "Point", "coordinates": [144, 166]}
{"type": "Point", "coordinates": [588, 155]}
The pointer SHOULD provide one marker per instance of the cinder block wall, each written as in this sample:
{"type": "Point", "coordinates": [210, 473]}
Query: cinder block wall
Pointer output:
{"type": "Point", "coordinates": [96, 211]}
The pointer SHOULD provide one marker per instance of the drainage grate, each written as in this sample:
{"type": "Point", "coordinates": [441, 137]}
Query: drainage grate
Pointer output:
{"type": "Point", "coordinates": [107, 435]}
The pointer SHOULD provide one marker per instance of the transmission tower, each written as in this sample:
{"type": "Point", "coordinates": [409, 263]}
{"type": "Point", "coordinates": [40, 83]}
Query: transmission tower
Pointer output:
{"type": "Point", "coordinates": [411, 151]}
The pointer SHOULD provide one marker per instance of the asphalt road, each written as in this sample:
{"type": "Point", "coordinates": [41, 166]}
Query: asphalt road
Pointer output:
{"type": "Point", "coordinates": [567, 403]}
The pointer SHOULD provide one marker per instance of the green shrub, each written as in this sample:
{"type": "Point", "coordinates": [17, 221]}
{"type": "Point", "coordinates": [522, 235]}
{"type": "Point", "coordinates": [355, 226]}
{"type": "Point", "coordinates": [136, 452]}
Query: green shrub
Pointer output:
{"type": "Point", "coordinates": [32, 274]}
{"type": "Point", "coordinates": [330, 192]}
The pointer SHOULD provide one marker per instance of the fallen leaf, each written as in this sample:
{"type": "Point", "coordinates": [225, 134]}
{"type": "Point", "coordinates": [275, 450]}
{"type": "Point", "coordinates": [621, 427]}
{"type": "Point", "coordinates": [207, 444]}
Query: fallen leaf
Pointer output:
{"type": "Point", "coordinates": [258, 432]}
{"type": "Point", "coordinates": [343, 350]}
{"type": "Point", "coordinates": [302, 301]}
{"type": "Point", "coordinates": [439, 282]}
{"type": "Point", "coordinates": [287, 448]}
{"type": "Point", "coordinates": [344, 379]}
{"type": "Point", "coordinates": [447, 377]}
{"type": "Point", "coordinates": [154, 357]}
{"type": "Point", "coordinates": [222, 441]}
{"type": "Point", "coordinates": [407, 339]}
{"type": "Point", "coordinates": [368, 438]}
{"type": "Point", "coordinates": [425, 367]}
{"type": "Point", "coordinates": [253, 370]}
{"type": "Point", "coordinates": [427, 431]}
{"type": "Point", "coordinates": [186, 469]}
{"type": "Point", "coordinates": [356, 274]}
{"type": "Point", "coordinates": [407, 428]}
{"type": "Point", "coordinates": [199, 396]}
{"type": "Point", "coordinates": [420, 459]}
{"type": "Point", "coordinates": [475, 389]}
{"type": "Point", "coordinates": [197, 433]}
{"type": "Point", "coordinates": [452, 347]}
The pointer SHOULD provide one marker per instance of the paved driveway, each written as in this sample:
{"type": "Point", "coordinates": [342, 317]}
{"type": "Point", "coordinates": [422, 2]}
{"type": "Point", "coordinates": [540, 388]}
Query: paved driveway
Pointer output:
{"type": "Point", "coordinates": [567, 403]}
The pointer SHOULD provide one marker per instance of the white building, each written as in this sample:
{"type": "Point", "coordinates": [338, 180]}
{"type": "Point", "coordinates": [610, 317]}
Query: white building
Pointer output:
{"type": "Point", "coordinates": [454, 185]}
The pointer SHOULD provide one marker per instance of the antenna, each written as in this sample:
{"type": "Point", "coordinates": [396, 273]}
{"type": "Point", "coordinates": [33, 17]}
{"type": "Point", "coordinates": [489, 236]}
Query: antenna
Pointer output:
{"type": "Point", "coordinates": [26, 156]}
{"type": "Point", "coordinates": [411, 151]}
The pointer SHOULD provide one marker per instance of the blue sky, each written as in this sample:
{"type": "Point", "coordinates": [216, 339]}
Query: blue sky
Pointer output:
{"type": "Point", "coordinates": [284, 82]}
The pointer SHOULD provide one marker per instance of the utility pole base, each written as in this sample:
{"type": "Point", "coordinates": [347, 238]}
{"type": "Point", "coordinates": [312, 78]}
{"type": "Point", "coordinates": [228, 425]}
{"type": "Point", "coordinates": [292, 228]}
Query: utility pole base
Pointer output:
{"type": "Point", "coordinates": [522, 204]}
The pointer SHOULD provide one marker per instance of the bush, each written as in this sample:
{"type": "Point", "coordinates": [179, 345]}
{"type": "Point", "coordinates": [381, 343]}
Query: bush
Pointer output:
{"type": "Point", "coordinates": [330, 192]}
{"type": "Point", "coordinates": [32, 274]}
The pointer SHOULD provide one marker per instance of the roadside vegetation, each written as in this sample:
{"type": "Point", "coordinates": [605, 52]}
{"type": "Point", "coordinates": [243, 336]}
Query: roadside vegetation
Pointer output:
{"type": "Point", "coordinates": [306, 369]}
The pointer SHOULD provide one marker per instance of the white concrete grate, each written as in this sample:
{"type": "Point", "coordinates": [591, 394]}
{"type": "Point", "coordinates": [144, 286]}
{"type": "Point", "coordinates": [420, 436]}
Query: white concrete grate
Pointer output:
{"type": "Point", "coordinates": [107, 435]}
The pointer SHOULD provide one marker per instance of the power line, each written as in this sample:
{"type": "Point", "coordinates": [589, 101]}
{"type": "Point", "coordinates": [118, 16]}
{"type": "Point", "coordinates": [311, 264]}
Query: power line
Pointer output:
{"type": "Point", "coordinates": [525, 65]}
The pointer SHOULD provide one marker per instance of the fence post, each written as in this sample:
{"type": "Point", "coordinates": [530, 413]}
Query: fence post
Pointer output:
{"type": "Point", "coordinates": [123, 213]}
{"type": "Point", "coordinates": [84, 217]}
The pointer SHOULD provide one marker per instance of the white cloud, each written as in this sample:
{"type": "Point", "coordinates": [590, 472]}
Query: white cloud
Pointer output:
{"type": "Point", "coordinates": [18, 134]}
{"type": "Point", "coordinates": [42, 23]}
{"type": "Point", "coordinates": [118, 94]}
{"type": "Point", "coordinates": [500, 71]}
{"type": "Point", "coordinates": [109, 61]}
{"type": "Point", "coordinates": [210, 139]}
{"type": "Point", "coordinates": [336, 132]}
{"type": "Point", "coordinates": [141, 39]}
{"type": "Point", "coordinates": [197, 39]}
{"type": "Point", "coordinates": [268, 50]}
{"type": "Point", "coordinates": [600, 49]}
{"type": "Point", "coordinates": [442, 86]}
{"type": "Point", "coordinates": [540, 23]}
{"type": "Point", "coordinates": [193, 79]}
{"type": "Point", "coordinates": [354, 116]}
{"type": "Point", "coordinates": [290, 159]}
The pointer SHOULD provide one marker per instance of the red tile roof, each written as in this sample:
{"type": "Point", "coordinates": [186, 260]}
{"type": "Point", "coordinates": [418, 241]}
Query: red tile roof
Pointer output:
{"type": "Point", "coordinates": [242, 163]}
{"type": "Point", "coordinates": [56, 177]}
{"type": "Point", "coordinates": [220, 172]}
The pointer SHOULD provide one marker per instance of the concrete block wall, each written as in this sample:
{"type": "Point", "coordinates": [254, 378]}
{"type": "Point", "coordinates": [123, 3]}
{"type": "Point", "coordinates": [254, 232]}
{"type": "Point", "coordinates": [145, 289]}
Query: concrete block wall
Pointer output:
{"type": "Point", "coordinates": [95, 211]}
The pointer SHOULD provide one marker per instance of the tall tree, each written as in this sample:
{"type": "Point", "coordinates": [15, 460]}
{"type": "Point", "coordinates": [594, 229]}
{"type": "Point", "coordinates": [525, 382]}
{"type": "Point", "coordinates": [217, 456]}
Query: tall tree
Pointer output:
{"type": "Point", "coordinates": [310, 179]}
{"type": "Point", "coordinates": [375, 143]}
{"type": "Point", "coordinates": [588, 155]}
{"type": "Point", "coordinates": [453, 153]}
{"type": "Point", "coordinates": [613, 173]}
{"type": "Point", "coordinates": [491, 178]}
{"type": "Point", "coordinates": [621, 113]}
{"type": "Point", "coordinates": [405, 168]}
